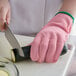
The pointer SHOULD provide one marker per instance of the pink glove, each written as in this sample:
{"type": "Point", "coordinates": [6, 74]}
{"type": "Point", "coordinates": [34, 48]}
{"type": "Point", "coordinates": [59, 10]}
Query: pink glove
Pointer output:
{"type": "Point", "coordinates": [48, 44]}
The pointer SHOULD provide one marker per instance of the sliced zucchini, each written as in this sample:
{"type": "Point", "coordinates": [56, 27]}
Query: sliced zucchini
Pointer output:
{"type": "Point", "coordinates": [4, 73]}
{"type": "Point", "coordinates": [13, 56]}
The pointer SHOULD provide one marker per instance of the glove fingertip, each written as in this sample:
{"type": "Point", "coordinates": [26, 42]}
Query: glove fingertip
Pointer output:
{"type": "Point", "coordinates": [33, 56]}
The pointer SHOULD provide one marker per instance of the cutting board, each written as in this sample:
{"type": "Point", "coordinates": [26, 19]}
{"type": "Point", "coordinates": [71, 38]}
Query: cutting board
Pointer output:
{"type": "Point", "coordinates": [30, 68]}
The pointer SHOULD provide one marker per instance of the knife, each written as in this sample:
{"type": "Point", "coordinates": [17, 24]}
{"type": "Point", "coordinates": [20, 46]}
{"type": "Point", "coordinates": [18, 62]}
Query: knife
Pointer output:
{"type": "Point", "coordinates": [12, 40]}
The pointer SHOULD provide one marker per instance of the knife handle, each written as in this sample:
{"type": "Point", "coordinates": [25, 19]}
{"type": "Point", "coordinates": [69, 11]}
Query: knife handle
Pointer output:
{"type": "Point", "coordinates": [26, 51]}
{"type": "Point", "coordinates": [5, 25]}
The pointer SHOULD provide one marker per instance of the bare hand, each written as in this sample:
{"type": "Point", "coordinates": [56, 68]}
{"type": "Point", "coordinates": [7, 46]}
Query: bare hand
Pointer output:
{"type": "Point", "coordinates": [4, 13]}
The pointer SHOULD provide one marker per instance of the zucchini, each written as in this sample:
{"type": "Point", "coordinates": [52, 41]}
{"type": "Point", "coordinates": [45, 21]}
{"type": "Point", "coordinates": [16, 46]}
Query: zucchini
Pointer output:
{"type": "Point", "coordinates": [4, 73]}
{"type": "Point", "coordinates": [26, 50]}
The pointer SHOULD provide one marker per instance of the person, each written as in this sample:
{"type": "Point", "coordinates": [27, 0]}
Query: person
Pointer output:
{"type": "Point", "coordinates": [49, 20]}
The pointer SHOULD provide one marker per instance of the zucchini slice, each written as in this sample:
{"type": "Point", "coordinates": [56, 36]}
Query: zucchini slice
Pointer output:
{"type": "Point", "coordinates": [4, 73]}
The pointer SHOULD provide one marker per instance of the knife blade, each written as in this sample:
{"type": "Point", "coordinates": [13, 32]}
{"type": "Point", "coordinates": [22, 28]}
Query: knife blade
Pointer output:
{"type": "Point", "coordinates": [12, 40]}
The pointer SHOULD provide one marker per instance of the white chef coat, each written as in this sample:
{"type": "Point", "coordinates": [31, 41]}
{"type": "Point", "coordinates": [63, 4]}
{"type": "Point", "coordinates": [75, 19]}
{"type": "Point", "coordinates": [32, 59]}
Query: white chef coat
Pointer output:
{"type": "Point", "coordinates": [29, 16]}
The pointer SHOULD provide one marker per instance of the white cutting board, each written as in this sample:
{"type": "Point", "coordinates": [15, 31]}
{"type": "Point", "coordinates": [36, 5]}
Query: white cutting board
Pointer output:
{"type": "Point", "coordinates": [29, 68]}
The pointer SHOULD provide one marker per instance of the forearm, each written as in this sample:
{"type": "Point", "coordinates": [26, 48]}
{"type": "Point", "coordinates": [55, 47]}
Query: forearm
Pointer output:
{"type": "Point", "coordinates": [69, 6]}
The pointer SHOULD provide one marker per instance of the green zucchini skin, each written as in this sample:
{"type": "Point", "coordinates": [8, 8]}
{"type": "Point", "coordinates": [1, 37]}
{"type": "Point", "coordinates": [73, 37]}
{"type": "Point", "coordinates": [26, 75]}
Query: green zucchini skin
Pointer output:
{"type": "Point", "coordinates": [64, 51]}
{"type": "Point", "coordinates": [26, 51]}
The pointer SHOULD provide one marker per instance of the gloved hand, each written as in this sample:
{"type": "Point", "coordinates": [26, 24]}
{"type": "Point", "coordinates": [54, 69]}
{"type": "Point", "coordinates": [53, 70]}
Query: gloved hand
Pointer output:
{"type": "Point", "coordinates": [4, 13]}
{"type": "Point", "coordinates": [48, 44]}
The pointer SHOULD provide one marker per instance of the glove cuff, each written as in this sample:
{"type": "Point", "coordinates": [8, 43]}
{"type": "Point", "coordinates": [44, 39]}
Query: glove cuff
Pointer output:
{"type": "Point", "coordinates": [62, 21]}
{"type": "Point", "coordinates": [67, 14]}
